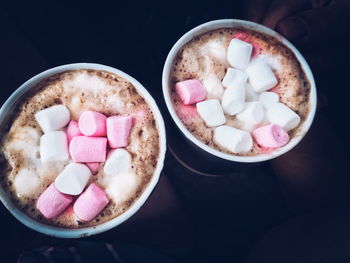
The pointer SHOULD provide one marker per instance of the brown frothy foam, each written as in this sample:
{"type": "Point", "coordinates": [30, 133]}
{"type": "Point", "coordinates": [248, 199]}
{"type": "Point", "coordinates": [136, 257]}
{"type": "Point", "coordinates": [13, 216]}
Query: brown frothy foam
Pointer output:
{"type": "Point", "coordinates": [194, 61]}
{"type": "Point", "coordinates": [79, 90]}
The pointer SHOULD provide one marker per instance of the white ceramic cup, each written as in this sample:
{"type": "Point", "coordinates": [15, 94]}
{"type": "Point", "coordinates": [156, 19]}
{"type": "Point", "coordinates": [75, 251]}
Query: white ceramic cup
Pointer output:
{"type": "Point", "coordinates": [18, 96]}
{"type": "Point", "coordinates": [234, 23]}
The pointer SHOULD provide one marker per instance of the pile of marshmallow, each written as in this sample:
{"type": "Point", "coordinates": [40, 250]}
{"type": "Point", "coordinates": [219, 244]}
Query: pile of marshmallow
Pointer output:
{"type": "Point", "coordinates": [85, 141]}
{"type": "Point", "coordinates": [246, 97]}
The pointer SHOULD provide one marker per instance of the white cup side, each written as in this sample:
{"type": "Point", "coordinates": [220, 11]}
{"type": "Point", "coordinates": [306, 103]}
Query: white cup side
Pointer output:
{"type": "Point", "coordinates": [87, 231]}
{"type": "Point", "coordinates": [235, 23]}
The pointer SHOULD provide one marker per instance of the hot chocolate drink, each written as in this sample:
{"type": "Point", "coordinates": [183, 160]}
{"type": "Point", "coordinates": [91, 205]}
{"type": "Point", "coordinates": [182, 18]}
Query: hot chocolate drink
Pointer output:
{"type": "Point", "coordinates": [239, 91]}
{"type": "Point", "coordinates": [80, 149]}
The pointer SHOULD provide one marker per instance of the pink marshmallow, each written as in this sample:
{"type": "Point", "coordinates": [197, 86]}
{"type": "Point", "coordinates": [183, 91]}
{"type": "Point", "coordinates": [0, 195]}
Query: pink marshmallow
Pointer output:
{"type": "Point", "coordinates": [52, 202]}
{"type": "Point", "coordinates": [90, 203]}
{"type": "Point", "coordinates": [190, 91]}
{"type": "Point", "coordinates": [92, 123]}
{"type": "Point", "coordinates": [94, 167]}
{"type": "Point", "coordinates": [118, 130]}
{"type": "Point", "coordinates": [85, 149]}
{"type": "Point", "coordinates": [73, 130]}
{"type": "Point", "coordinates": [271, 136]}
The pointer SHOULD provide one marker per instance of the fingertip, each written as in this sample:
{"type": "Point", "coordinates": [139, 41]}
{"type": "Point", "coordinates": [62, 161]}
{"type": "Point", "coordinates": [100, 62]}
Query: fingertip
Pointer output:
{"type": "Point", "coordinates": [251, 12]}
{"type": "Point", "coordinates": [293, 28]}
{"type": "Point", "coordinates": [253, 17]}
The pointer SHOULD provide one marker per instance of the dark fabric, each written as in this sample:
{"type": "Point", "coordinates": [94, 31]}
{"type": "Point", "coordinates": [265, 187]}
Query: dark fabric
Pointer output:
{"type": "Point", "coordinates": [92, 252]}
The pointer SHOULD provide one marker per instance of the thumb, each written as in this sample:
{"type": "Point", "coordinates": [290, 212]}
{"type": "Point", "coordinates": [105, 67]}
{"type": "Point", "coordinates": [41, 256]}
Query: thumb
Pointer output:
{"type": "Point", "coordinates": [318, 25]}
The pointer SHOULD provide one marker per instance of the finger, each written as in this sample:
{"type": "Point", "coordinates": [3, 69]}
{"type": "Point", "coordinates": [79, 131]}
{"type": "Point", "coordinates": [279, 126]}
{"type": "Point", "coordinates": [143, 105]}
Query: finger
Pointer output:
{"type": "Point", "coordinates": [325, 64]}
{"type": "Point", "coordinates": [319, 3]}
{"type": "Point", "coordinates": [254, 10]}
{"type": "Point", "coordinates": [330, 71]}
{"type": "Point", "coordinates": [317, 26]}
{"type": "Point", "coordinates": [282, 9]}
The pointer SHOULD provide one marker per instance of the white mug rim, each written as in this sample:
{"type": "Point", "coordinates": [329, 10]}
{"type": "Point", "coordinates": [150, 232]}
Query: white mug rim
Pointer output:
{"type": "Point", "coordinates": [87, 231]}
{"type": "Point", "coordinates": [232, 23]}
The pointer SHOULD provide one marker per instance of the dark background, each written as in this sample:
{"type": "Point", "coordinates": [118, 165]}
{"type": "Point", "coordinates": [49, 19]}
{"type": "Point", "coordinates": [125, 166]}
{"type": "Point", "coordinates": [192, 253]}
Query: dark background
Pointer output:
{"type": "Point", "coordinates": [228, 214]}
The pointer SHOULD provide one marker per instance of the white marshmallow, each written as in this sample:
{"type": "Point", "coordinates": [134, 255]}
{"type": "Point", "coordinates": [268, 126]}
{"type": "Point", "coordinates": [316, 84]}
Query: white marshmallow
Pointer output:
{"type": "Point", "coordinates": [261, 76]}
{"type": "Point", "coordinates": [118, 162]}
{"type": "Point", "coordinates": [233, 99]}
{"type": "Point", "coordinates": [268, 99]}
{"type": "Point", "coordinates": [253, 113]}
{"type": "Point", "coordinates": [239, 53]}
{"type": "Point", "coordinates": [73, 179]}
{"type": "Point", "coordinates": [232, 139]}
{"type": "Point", "coordinates": [213, 86]}
{"type": "Point", "coordinates": [250, 94]}
{"type": "Point", "coordinates": [211, 112]}
{"type": "Point", "coordinates": [234, 77]}
{"type": "Point", "coordinates": [283, 116]}
{"type": "Point", "coordinates": [53, 118]}
{"type": "Point", "coordinates": [26, 183]}
{"type": "Point", "coordinates": [53, 147]}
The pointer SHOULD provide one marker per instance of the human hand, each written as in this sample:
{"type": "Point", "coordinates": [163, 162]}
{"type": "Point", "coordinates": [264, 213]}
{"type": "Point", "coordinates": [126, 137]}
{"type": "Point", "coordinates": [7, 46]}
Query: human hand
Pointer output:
{"type": "Point", "coordinates": [310, 177]}
{"type": "Point", "coordinates": [319, 28]}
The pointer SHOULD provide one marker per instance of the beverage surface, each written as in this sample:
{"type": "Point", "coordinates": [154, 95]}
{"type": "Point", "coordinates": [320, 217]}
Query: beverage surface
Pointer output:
{"type": "Point", "coordinates": [205, 58]}
{"type": "Point", "coordinates": [25, 176]}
